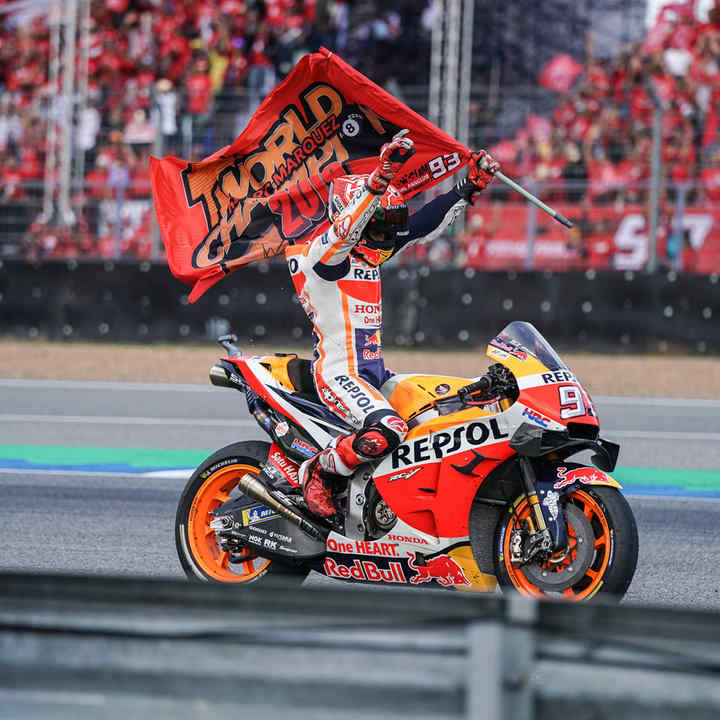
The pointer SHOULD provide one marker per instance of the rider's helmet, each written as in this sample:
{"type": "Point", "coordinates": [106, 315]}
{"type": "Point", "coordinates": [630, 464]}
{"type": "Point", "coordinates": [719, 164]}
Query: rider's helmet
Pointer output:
{"type": "Point", "coordinates": [389, 220]}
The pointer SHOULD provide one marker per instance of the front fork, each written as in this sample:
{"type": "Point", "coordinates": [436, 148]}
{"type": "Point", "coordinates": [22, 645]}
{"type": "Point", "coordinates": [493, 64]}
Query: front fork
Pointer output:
{"type": "Point", "coordinates": [540, 541]}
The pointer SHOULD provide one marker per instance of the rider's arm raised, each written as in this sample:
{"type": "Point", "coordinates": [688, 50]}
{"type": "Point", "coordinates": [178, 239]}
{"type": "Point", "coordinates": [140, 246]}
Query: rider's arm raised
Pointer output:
{"type": "Point", "coordinates": [334, 246]}
{"type": "Point", "coordinates": [436, 216]}
{"type": "Point", "coordinates": [331, 248]}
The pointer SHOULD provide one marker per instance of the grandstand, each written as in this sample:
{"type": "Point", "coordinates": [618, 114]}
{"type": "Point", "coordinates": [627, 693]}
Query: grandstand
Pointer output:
{"type": "Point", "coordinates": [562, 97]}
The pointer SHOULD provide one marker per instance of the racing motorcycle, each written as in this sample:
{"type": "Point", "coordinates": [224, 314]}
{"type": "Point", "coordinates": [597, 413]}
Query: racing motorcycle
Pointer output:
{"type": "Point", "coordinates": [481, 493]}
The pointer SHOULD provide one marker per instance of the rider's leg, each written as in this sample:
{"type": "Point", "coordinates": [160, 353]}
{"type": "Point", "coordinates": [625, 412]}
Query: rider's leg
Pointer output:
{"type": "Point", "coordinates": [347, 376]}
{"type": "Point", "coordinates": [382, 431]}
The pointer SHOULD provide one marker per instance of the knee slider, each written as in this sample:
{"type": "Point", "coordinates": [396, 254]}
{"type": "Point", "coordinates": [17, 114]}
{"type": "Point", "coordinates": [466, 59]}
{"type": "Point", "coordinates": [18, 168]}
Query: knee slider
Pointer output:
{"type": "Point", "coordinates": [382, 433]}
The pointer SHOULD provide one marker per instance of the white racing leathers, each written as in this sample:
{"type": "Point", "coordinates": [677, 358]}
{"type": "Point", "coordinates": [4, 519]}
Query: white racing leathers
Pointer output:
{"type": "Point", "coordinates": [340, 291]}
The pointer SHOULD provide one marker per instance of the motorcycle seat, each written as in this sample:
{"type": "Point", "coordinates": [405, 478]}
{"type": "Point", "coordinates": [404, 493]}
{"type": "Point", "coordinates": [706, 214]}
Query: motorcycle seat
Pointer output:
{"type": "Point", "coordinates": [299, 371]}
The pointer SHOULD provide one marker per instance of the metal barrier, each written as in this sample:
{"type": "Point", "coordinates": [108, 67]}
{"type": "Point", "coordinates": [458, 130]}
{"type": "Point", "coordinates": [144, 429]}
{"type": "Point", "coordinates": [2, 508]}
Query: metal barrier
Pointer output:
{"type": "Point", "coordinates": [144, 303]}
{"type": "Point", "coordinates": [89, 647]}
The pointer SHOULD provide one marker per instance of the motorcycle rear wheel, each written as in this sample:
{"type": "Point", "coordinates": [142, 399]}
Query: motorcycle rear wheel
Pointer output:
{"type": "Point", "coordinates": [600, 558]}
{"type": "Point", "coordinates": [209, 487]}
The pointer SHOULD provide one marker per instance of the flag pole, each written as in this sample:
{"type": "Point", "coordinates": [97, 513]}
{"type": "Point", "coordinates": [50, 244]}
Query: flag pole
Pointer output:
{"type": "Point", "coordinates": [535, 201]}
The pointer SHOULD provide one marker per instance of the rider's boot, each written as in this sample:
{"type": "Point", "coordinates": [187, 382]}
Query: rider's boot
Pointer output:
{"type": "Point", "coordinates": [339, 460]}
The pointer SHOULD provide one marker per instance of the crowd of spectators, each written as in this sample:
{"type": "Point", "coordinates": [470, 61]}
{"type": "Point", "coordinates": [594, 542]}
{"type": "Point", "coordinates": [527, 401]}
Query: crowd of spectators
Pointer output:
{"type": "Point", "coordinates": [600, 132]}
{"type": "Point", "coordinates": [168, 77]}
{"type": "Point", "coordinates": [182, 77]}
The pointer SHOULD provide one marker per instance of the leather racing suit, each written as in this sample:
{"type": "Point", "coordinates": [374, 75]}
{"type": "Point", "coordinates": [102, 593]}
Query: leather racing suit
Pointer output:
{"type": "Point", "coordinates": [337, 279]}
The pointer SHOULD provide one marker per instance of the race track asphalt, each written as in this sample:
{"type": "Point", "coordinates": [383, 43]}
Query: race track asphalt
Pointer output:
{"type": "Point", "coordinates": [76, 494]}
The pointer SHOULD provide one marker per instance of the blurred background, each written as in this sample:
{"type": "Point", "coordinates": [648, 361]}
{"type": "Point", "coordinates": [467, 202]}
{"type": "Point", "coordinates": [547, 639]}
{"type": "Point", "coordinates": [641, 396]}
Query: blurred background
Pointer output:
{"type": "Point", "coordinates": [609, 110]}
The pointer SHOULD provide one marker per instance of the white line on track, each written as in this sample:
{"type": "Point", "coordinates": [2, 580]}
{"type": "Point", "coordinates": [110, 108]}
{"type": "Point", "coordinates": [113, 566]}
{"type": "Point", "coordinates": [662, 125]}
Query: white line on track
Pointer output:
{"type": "Point", "coordinates": [107, 385]}
{"type": "Point", "coordinates": [659, 435]}
{"type": "Point", "coordinates": [117, 420]}
{"type": "Point", "coordinates": [655, 401]}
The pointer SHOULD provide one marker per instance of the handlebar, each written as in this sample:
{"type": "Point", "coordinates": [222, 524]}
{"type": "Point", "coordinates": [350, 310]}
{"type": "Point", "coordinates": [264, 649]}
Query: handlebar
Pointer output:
{"type": "Point", "coordinates": [484, 385]}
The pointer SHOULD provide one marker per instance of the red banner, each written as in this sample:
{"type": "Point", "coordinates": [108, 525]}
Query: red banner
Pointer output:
{"type": "Point", "coordinates": [560, 72]}
{"type": "Point", "coordinates": [269, 189]}
{"type": "Point", "coordinates": [603, 238]}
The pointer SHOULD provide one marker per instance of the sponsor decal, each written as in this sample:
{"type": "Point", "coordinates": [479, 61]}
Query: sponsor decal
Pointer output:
{"type": "Point", "coordinates": [281, 429]}
{"type": "Point", "coordinates": [551, 503]}
{"type": "Point", "coordinates": [373, 339]}
{"type": "Point", "coordinates": [360, 273]}
{"type": "Point", "coordinates": [404, 475]}
{"type": "Point", "coordinates": [557, 377]}
{"type": "Point", "coordinates": [258, 514]}
{"type": "Point", "coordinates": [442, 389]}
{"type": "Point", "coordinates": [222, 463]}
{"type": "Point", "coordinates": [270, 544]}
{"type": "Point", "coordinates": [408, 539]}
{"type": "Point", "coordinates": [303, 447]}
{"type": "Point", "coordinates": [584, 475]}
{"type": "Point", "coordinates": [336, 404]}
{"type": "Point", "coordinates": [356, 392]}
{"type": "Point", "coordinates": [499, 354]}
{"type": "Point", "coordinates": [369, 313]}
{"type": "Point", "coordinates": [286, 467]}
{"type": "Point", "coordinates": [351, 126]}
{"type": "Point", "coordinates": [536, 417]}
{"type": "Point", "coordinates": [371, 355]}
{"type": "Point", "coordinates": [438, 445]}
{"type": "Point", "coordinates": [362, 547]}
{"type": "Point", "coordinates": [441, 568]}
{"type": "Point", "coordinates": [280, 536]}
{"type": "Point", "coordinates": [255, 539]}
{"type": "Point", "coordinates": [365, 571]}
{"type": "Point", "coordinates": [510, 348]}
{"type": "Point", "coordinates": [367, 309]}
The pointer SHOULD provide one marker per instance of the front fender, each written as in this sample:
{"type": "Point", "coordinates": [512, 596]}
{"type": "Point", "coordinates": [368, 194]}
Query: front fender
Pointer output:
{"type": "Point", "coordinates": [557, 480]}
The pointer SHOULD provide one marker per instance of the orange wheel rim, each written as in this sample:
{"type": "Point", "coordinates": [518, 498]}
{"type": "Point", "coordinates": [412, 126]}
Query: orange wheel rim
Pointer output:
{"type": "Point", "coordinates": [204, 547]}
{"type": "Point", "coordinates": [586, 586]}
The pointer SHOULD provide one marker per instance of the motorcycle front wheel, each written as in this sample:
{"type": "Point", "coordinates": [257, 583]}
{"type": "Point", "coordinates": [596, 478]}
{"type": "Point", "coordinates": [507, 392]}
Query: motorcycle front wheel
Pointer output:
{"type": "Point", "coordinates": [600, 557]}
{"type": "Point", "coordinates": [212, 484]}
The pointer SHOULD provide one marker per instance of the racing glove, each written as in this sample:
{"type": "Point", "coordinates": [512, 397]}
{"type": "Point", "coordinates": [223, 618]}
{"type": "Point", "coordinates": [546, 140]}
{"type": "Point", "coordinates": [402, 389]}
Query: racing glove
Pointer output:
{"type": "Point", "coordinates": [393, 156]}
{"type": "Point", "coordinates": [482, 167]}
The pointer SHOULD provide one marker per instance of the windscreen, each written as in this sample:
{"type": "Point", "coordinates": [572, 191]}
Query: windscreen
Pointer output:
{"type": "Point", "coordinates": [523, 337]}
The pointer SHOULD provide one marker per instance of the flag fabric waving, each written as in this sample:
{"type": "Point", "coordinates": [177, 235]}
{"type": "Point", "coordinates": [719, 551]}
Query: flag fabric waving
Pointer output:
{"type": "Point", "coordinates": [269, 189]}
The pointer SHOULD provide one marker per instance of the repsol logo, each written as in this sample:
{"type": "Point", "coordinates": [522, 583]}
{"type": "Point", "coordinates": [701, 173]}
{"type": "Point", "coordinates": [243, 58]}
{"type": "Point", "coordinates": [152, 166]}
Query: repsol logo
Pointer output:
{"type": "Point", "coordinates": [557, 377]}
{"type": "Point", "coordinates": [356, 393]}
{"type": "Point", "coordinates": [439, 445]}
{"type": "Point", "coordinates": [359, 274]}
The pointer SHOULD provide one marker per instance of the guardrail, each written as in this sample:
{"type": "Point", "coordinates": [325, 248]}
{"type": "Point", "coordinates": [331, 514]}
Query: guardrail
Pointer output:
{"type": "Point", "coordinates": [143, 303]}
{"type": "Point", "coordinates": [76, 647]}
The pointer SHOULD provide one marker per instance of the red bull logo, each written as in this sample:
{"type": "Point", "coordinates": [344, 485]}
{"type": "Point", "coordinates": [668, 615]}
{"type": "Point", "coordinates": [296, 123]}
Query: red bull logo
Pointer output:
{"type": "Point", "coordinates": [441, 568]}
{"type": "Point", "coordinates": [373, 339]}
{"type": "Point", "coordinates": [584, 475]}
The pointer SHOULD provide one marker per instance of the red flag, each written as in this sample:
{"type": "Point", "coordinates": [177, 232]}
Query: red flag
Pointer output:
{"type": "Point", "coordinates": [269, 189]}
{"type": "Point", "coordinates": [560, 73]}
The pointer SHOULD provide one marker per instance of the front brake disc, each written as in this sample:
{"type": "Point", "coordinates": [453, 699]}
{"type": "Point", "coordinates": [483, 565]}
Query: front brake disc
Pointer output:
{"type": "Point", "coordinates": [555, 579]}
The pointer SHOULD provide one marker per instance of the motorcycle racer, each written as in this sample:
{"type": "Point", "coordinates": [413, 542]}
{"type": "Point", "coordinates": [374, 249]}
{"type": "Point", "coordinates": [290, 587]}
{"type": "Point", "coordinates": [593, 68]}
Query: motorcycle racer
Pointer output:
{"type": "Point", "coordinates": [337, 279]}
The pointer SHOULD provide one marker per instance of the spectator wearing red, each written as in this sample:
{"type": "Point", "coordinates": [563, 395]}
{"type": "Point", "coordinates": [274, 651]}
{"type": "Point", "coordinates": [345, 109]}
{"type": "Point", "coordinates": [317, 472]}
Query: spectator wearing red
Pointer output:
{"type": "Point", "coordinates": [710, 179]}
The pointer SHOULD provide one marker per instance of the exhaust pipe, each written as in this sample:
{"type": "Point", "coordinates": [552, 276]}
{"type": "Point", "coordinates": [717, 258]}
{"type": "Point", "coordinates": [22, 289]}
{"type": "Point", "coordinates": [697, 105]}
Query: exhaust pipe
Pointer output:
{"type": "Point", "coordinates": [219, 376]}
{"type": "Point", "coordinates": [251, 486]}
